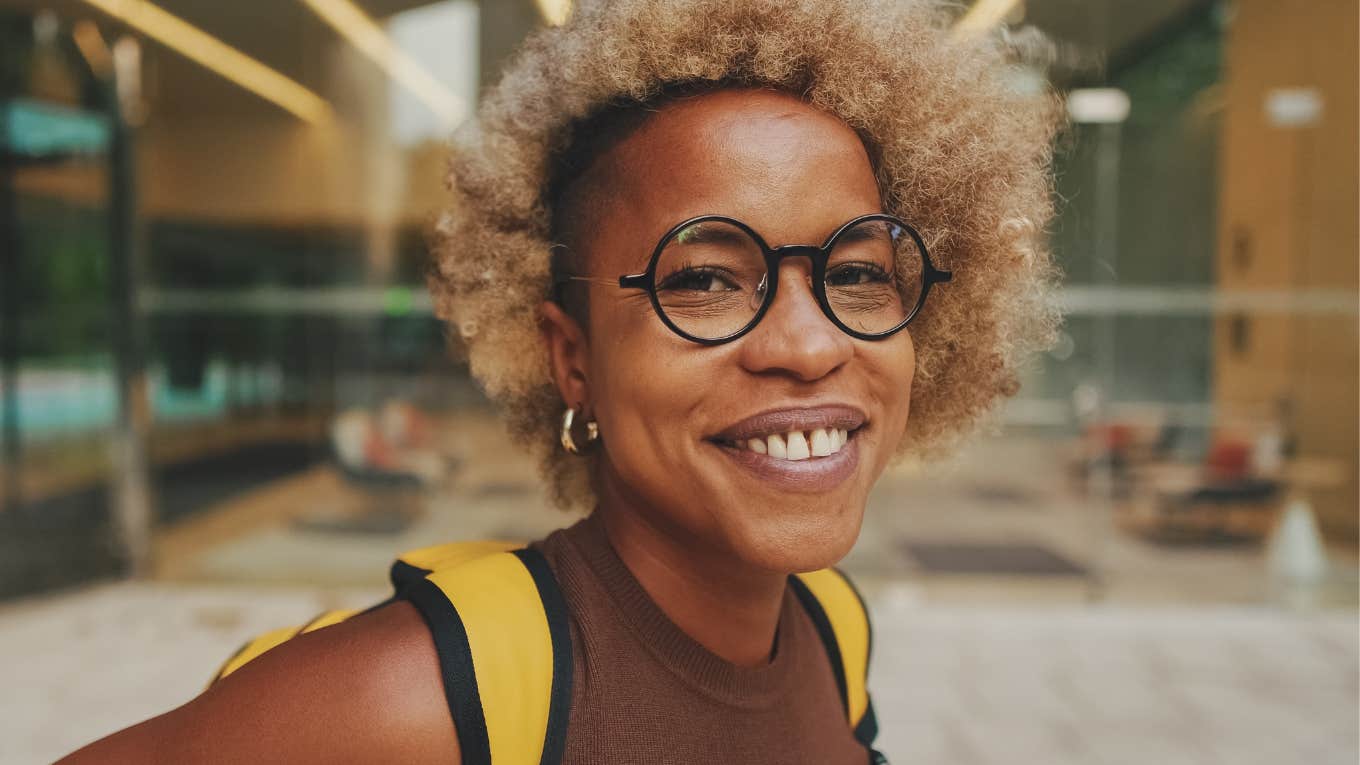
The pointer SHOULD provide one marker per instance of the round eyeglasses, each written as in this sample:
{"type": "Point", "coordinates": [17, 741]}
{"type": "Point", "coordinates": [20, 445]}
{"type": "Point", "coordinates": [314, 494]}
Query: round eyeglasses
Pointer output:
{"type": "Point", "coordinates": [712, 278]}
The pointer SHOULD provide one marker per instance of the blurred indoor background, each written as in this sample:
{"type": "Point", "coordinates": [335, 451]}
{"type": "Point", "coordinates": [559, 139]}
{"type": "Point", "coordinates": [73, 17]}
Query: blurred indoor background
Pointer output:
{"type": "Point", "coordinates": [225, 402]}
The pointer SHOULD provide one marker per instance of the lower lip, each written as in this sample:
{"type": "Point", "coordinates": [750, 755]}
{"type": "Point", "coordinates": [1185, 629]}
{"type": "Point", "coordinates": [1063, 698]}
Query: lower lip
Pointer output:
{"type": "Point", "coordinates": [815, 474]}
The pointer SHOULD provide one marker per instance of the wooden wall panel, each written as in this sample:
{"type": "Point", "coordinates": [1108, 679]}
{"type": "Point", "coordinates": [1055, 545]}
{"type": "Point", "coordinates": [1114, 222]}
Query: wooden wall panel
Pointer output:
{"type": "Point", "coordinates": [1288, 220]}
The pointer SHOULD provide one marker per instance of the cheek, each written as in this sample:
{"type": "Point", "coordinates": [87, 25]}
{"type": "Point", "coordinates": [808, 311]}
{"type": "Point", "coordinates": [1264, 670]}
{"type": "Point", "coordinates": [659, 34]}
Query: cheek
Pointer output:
{"type": "Point", "coordinates": [643, 401]}
{"type": "Point", "coordinates": [893, 364]}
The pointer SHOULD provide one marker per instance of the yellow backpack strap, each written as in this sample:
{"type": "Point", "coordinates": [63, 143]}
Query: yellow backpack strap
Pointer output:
{"type": "Point", "coordinates": [412, 567]}
{"type": "Point", "coordinates": [500, 628]}
{"type": "Point", "coordinates": [842, 621]}
{"type": "Point", "coordinates": [268, 640]}
{"type": "Point", "coordinates": [415, 565]}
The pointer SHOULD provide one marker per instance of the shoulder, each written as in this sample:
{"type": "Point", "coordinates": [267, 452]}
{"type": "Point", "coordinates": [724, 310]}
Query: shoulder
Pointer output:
{"type": "Point", "coordinates": [366, 690]}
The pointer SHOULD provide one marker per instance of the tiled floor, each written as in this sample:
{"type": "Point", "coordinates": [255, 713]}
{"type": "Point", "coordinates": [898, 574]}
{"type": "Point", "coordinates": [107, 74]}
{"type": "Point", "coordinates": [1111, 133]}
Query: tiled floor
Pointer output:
{"type": "Point", "coordinates": [954, 685]}
{"type": "Point", "coordinates": [1163, 655]}
{"type": "Point", "coordinates": [1097, 686]}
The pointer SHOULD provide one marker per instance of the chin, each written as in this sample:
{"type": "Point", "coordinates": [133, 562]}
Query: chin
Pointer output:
{"type": "Point", "coordinates": [797, 543]}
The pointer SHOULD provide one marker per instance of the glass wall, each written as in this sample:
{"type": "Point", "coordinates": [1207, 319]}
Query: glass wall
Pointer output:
{"type": "Point", "coordinates": [264, 193]}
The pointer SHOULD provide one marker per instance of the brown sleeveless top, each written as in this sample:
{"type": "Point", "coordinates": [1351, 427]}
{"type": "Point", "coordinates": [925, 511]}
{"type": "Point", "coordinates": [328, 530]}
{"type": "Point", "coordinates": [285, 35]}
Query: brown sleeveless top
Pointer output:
{"type": "Point", "coordinates": [646, 692]}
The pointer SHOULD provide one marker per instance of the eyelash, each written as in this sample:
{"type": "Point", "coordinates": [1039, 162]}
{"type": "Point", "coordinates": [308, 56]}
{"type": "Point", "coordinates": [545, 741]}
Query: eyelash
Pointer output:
{"type": "Point", "coordinates": [689, 270]}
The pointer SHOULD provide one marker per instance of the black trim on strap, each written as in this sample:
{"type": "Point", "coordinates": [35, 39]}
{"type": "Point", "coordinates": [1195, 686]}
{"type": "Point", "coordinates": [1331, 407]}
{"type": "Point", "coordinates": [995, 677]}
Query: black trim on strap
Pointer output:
{"type": "Point", "coordinates": [403, 574]}
{"type": "Point", "coordinates": [455, 663]}
{"type": "Point", "coordinates": [868, 622]}
{"type": "Point", "coordinates": [867, 729]}
{"type": "Point", "coordinates": [555, 608]}
{"type": "Point", "coordinates": [314, 620]}
{"type": "Point", "coordinates": [823, 624]}
{"type": "Point", "coordinates": [235, 654]}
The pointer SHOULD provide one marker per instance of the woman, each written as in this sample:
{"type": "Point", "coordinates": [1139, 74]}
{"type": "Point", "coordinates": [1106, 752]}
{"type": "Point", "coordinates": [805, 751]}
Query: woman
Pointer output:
{"type": "Point", "coordinates": [697, 254]}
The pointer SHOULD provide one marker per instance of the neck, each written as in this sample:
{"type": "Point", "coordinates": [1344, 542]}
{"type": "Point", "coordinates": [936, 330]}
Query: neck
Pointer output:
{"type": "Point", "coordinates": [728, 607]}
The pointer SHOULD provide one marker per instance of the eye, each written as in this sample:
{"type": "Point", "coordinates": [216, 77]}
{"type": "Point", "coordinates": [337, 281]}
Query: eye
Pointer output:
{"type": "Point", "coordinates": [698, 279]}
{"type": "Point", "coordinates": [847, 274]}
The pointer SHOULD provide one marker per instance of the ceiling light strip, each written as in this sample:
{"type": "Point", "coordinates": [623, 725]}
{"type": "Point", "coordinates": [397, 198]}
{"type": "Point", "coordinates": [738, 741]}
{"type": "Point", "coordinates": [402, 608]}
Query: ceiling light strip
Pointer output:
{"type": "Point", "coordinates": [201, 47]}
{"type": "Point", "coordinates": [93, 47]}
{"type": "Point", "coordinates": [363, 33]}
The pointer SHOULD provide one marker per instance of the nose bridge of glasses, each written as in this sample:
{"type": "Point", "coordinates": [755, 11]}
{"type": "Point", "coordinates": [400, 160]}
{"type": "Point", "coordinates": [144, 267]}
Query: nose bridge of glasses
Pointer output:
{"type": "Point", "coordinates": [782, 253]}
{"type": "Point", "coordinates": [778, 256]}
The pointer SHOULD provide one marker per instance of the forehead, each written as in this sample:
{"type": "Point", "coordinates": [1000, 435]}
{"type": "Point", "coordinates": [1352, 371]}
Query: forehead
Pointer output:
{"type": "Point", "coordinates": [791, 171]}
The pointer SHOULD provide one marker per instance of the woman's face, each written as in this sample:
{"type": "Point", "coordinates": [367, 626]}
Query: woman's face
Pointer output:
{"type": "Point", "coordinates": [670, 410]}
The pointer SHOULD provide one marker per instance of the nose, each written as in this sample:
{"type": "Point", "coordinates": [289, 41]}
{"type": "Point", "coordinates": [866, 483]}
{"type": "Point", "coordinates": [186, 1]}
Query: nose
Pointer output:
{"type": "Point", "coordinates": [794, 337]}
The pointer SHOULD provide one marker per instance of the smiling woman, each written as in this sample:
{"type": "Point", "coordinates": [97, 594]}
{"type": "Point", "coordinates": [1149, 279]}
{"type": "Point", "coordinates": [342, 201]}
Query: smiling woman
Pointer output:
{"type": "Point", "coordinates": [719, 262]}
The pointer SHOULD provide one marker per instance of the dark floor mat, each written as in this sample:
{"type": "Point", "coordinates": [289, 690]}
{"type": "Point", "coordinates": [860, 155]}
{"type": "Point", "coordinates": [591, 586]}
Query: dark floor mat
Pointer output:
{"type": "Point", "coordinates": [967, 558]}
{"type": "Point", "coordinates": [182, 488]}
{"type": "Point", "coordinates": [67, 538]}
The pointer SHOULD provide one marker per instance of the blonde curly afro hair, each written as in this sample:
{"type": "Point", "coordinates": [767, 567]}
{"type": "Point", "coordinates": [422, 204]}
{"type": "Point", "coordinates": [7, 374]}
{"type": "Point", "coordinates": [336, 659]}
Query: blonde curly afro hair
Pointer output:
{"type": "Point", "coordinates": [959, 151]}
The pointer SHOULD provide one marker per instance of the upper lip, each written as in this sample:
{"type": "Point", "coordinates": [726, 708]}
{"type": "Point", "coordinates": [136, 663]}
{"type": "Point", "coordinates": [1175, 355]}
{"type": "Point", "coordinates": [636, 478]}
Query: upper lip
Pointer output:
{"type": "Point", "coordinates": [786, 419]}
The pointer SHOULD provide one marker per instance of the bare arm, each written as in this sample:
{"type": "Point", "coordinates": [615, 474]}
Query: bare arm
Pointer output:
{"type": "Point", "coordinates": [366, 690]}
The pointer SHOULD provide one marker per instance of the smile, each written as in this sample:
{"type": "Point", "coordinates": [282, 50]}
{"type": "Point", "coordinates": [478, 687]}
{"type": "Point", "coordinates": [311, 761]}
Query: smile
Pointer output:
{"type": "Point", "coordinates": [804, 450]}
{"type": "Point", "coordinates": [796, 445]}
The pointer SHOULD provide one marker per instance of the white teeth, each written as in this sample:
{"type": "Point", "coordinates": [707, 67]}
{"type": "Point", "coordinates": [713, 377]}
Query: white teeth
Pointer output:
{"type": "Point", "coordinates": [837, 438]}
{"type": "Point", "coordinates": [798, 445]}
{"type": "Point", "coordinates": [821, 443]}
{"type": "Point", "coordinates": [841, 437]}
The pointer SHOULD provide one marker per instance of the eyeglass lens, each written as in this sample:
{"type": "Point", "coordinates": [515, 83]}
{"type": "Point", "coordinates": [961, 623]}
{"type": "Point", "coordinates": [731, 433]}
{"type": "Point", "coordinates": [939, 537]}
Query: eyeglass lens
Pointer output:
{"type": "Point", "coordinates": [711, 278]}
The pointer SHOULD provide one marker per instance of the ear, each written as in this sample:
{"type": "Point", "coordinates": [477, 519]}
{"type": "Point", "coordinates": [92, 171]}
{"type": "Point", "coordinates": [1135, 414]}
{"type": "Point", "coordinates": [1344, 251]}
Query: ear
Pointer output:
{"type": "Point", "coordinates": [568, 353]}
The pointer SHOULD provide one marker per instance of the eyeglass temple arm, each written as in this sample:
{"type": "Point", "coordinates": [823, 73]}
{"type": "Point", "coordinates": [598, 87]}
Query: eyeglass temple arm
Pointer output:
{"type": "Point", "coordinates": [561, 280]}
{"type": "Point", "coordinates": [633, 281]}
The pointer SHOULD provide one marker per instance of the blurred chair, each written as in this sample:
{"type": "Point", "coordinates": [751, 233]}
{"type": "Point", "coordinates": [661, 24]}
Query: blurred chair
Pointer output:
{"type": "Point", "coordinates": [386, 458]}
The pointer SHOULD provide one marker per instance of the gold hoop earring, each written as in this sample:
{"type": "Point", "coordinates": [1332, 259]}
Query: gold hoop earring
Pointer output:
{"type": "Point", "coordinates": [569, 441]}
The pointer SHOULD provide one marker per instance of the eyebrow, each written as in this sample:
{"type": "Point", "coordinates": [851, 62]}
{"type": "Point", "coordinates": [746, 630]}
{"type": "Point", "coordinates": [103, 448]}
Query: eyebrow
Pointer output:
{"type": "Point", "coordinates": [711, 233]}
{"type": "Point", "coordinates": [873, 230]}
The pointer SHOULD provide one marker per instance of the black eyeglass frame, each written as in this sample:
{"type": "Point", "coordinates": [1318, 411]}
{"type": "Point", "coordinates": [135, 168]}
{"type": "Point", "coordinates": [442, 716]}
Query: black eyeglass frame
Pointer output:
{"type": "Point", "coordinates": [819, 256]}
